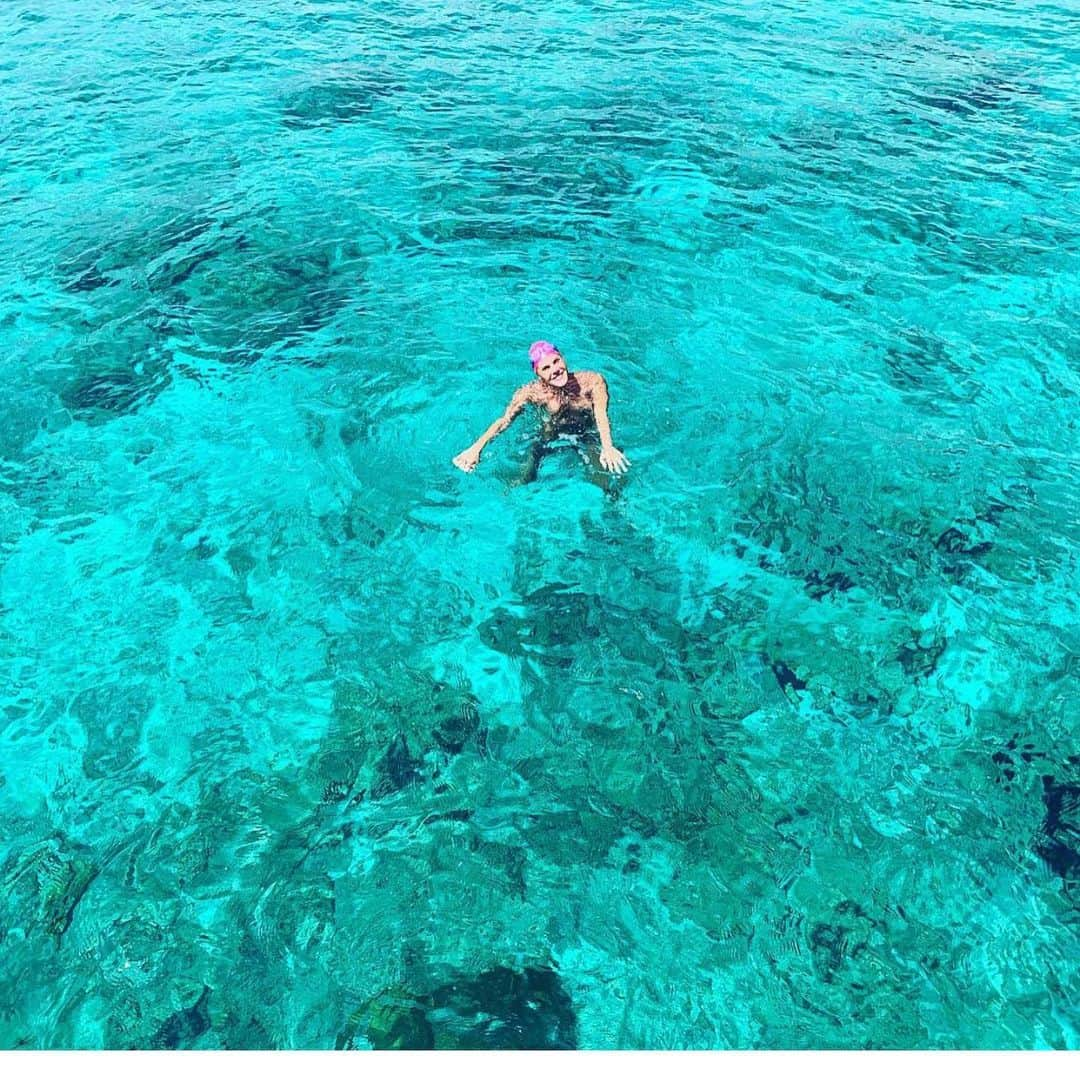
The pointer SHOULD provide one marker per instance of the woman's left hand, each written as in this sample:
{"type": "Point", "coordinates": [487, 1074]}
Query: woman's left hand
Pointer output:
{"type": "Point", "coordinates": [614, 460]}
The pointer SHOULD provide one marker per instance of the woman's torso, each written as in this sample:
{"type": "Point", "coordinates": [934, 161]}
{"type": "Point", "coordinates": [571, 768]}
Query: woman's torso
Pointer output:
{"type": "Point", "coordinates": [567, 412]}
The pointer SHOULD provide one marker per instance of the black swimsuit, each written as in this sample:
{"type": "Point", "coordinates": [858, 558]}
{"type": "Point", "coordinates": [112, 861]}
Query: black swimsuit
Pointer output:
{"type": "Point", "coordinates": [569, 422]}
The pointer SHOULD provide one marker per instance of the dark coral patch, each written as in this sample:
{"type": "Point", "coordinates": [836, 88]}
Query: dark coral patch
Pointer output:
{"type": "Point", "coordinates": [820, 585]}
{"type": "Point", "coordinates": [398, 769]}
{"type": "Point", "coordinates": [456, 720]}
{"type": "Point", "coordinates": [785, 677]}
{"type": "Point", "coordinates": [338, 101]}
{"type": "Point", "coordinates": [505, 1009]}
{"type": "Point", "coordinates": [557, 621]}
{"type": "Point", "coordinates": [501, 1009]}
{"type": "Point", "coordinates": [920, 361]}
{"type": "Point", "coordinates": [920, 660]}
{"type": "Point", "coordinates": [181, 1029]}
{"type": "Point", "coordinates": [45, 883]}
{"type": "Point", "coordinates": [1011, 759]}
{"type": "Point", "coordinates": [992, 92]}
{"type": "Point", "coordinates": [956, 542]}
{"type": "Point", "coordinates": [115, 393]}
{"type": "Point", "coordinates": [1058, 842]}
{"type": "Point", "coordinates": [501, 632]}
{"type": "Point", "coordinates": [244, 304]}
{"type": "Point", "coordinates": [401, 1029]}
{"type": "Point", "coordinates": [389, 1022]}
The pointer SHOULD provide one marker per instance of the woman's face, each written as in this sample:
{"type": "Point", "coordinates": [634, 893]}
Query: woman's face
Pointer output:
{"type": "Point", "coordinates": [552, 370]}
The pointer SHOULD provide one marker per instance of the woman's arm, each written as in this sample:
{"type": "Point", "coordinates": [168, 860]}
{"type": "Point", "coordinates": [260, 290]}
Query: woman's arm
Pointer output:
{"type": "Point", "coordinates": [467, 459]}
{"type": "Point", "coordinates": [610, 458]}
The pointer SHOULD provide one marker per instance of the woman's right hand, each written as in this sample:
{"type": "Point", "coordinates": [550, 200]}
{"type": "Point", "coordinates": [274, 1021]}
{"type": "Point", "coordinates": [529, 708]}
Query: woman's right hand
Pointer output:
{"type": "Point", "coordinates": [467, 459]}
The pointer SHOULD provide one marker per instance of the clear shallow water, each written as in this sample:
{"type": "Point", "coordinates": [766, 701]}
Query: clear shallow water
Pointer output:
{"type": "Point", "coordinates": [310, 740]}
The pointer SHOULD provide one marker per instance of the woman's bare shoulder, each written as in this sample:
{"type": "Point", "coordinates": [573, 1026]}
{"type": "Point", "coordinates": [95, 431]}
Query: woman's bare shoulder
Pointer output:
{"type": "Point", "coordinates": [590, 379]}
{"type": "Point", "coordinates": [530, 391]}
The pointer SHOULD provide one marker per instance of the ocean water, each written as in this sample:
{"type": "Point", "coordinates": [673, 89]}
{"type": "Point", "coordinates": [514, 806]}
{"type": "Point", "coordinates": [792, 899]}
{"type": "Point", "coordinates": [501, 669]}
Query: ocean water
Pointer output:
{"type": "Point", "coordinates": [310, 740]}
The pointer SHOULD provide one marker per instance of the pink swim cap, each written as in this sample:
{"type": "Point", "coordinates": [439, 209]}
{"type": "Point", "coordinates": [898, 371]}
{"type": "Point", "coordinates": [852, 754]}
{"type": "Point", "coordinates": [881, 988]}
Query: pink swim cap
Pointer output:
{"type": "Point", "coordinates": [538, 350]}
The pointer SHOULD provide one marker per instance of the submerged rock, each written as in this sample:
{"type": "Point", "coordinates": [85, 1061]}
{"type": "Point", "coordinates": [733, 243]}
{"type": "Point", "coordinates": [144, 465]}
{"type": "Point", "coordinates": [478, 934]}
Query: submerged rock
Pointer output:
{"type": "Point", "coordinates": [387, 724]}
{"type": "Point", "coordinates": [47, 881]}
{"type": "Point", "coordinates": [456, 720]}
{"type": "Point", "coordinates": [785, 677]}
{"type": "Point", "coordinates": [393, 1027]}
{"type": "Point", "coordinates": [255, 300]}
{"type": "Point", "coordinates": [501, 1009]}
{"type": "Point", "coordinates": [505, 1009]}
{"type": "Point", "coordinates": [920, 658]}
{"type": "Point", "coordinates": [392, 1021]}
{"type": "Point", "coordinates": [111, 383]}
{"type": "Point", "coordinates": [556, 621]}
{"type": "Point", "coordinates": [112, 718]}
{"type": "Point", "coordinates": [920, 361]}
{"type": "Point", "coordinates": [1058, 842]}
{"type": "Point", "coordinates": [182, 1028]}
{"type": "Point", "coordinates": [820, 585]}
{"type": "Point", "coordinates": [337, 101]}
{"type": "Point", "coordinates": [502, 633]}
{"type": "Point", "coordinates": [956, 542]}
{"type": "Point", "coordinates": [989, 92]}
{"type": "Point", "coordinates": [1012, 757]}
{"type": "Point", "coordinates": [398, 769]}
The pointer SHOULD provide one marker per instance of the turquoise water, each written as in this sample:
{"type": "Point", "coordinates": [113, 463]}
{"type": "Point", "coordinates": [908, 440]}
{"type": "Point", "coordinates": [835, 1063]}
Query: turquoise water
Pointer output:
{"type": "Point", "coordinates": [310, 740]}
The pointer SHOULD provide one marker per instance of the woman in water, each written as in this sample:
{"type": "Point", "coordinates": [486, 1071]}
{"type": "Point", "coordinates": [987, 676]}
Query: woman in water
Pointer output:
{"type": "Point", "coordinates": [574, 405]}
